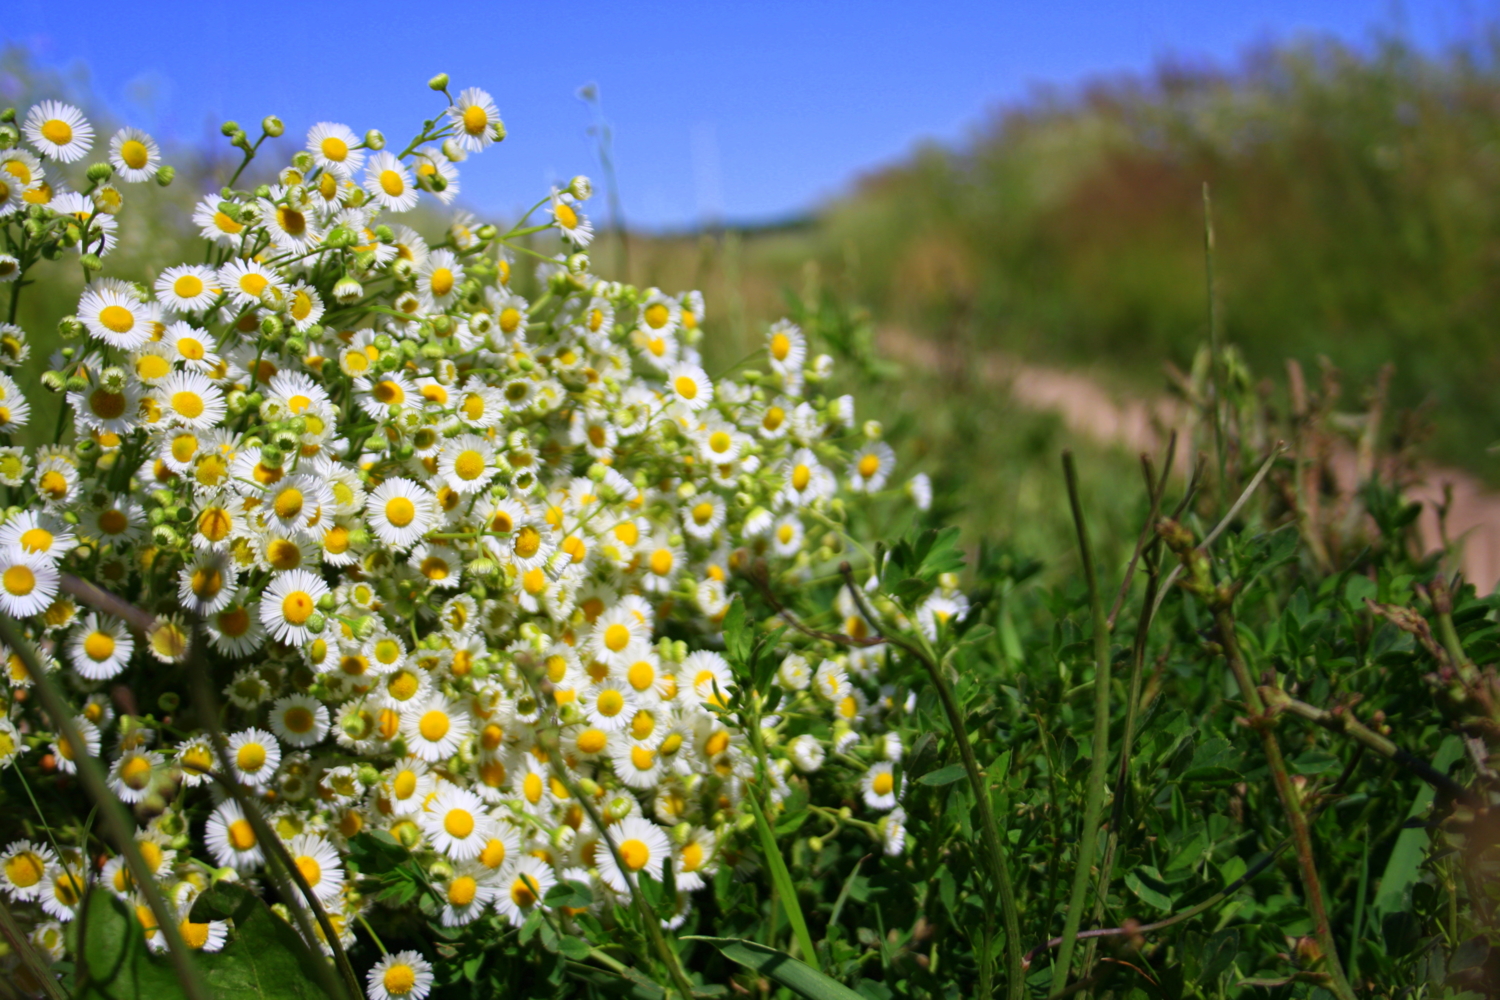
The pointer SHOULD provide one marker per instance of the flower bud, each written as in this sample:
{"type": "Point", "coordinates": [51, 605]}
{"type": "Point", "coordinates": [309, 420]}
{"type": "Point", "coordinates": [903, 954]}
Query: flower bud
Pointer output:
{"type": "Point", "coordinates": [165, 536]}
{"type": "Point", "coordinates": [340, 237]}
{"type": "Point", "coordinates": [316, 623]}
{"type": "Point", "coordinates": [271, 326]}
{"type": "Point", "coordinates": [498, 128]}
{"type": "Point", "coordinates": [99, 172]}
{"type": "Point", "coordinates": [53, 381]}
{"type": "Point", "coordinates": [229, 128]}
{"type": "Point", "coordinates": [578, 264]}
{"type": "Point", "coordinates": [8, 136]}
{"type": "Point", "coordinates": [347, 291]}
{"type": "Point", "coordinates": [165, 175]}
{"type": "Point", "coordinates": [272, 126]}
{"type": "Point", "coordinates": [581, 188]}
{"type": "Point", "coordinates": [375, 139]}
{"type": "Point", "coordinates": [439, 82]}
{"type": "Point", "coordinates": [90, 262]}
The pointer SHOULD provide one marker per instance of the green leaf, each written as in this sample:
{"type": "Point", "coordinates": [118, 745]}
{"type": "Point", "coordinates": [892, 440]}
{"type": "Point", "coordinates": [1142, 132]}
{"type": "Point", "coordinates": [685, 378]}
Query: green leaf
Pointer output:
{"type": "Point", "coordinates": [1405, 864]}
{"type": "Point", "coordinates": [116, 964]}
{"type": "Point", "coordinates": [376, 852]}
{"type": "Point", "coordinates": [573, 895]}
{"type": "Point", "coordinates": [574, 948]}
{"type": "Point", "coordinates": [799, 977]}
{"type": "Point", "coordinates": [942, 776]}
{"type": "Point", "coordinates": [782, 879]}
{"type": "Point", "coordinates": [1147, 883]}
{"type": "Point", "coordinates": [265, 960]}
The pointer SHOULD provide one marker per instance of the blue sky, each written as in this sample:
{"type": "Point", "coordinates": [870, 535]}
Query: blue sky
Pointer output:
{"type": "Point", "coordinates": [736, 110]}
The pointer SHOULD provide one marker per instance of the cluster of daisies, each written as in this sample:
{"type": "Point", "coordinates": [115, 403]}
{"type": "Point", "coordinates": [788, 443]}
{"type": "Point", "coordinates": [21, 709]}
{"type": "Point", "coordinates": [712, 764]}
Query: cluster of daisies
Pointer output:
{"type": "Point", "coordinates": [455, 553]}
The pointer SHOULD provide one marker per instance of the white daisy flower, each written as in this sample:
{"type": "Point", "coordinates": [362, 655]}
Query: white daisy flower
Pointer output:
{"type": "Point", "coordinates": [870, 467]}
{"type": "Point", "coordinates": [118, 319]}
{"type": "Point", "coordinates": [134, 773]}
{"type": "Point", "coordinates": [333, 148]}
{"type": "Point", "coordinates": [390, 182]}
{"type": "Point", "coordinates": [247, 280]}
{"type": "Point", "coordinates": [688, 386]}
{"type": "Point", "coordinates": [806, 752]}
{"type": "Point", "coordinates": [24, 869]}
{"type": "Point", "coordinates": [320, 865]}
{"type": "Point", "coordinates": [468, 894]}
{"type": "Point", "coordinates": [400, 512]}
{"type": "Point", "coordinates": [434, 728]}
{"type": "Point", "coordinates": [188, 287]}
{"type": "Point", "coordinates": [524, 885]}
{"type": "Point", "coordinates": [643, 847]}
{"type": "Point", "coordinates": [474, 117]}
{"type": "Point", "coordinates": [58, 131]}
{"type": "Point", "coordinates": [100, 647]}
{"type": "Point", "coordinates": [28, 581]}
{"type": "Point", "coordinates": [299, 720]}
{"type": "Point", "coordinates": [288, 603]}
{"type": "Point", "coordinates": [191, 400]}
{"type": "Point", "coordinates": [231, 839]}
{"type": "Point", "coordinates": [135, 155]}
{"type": "Point", "coordinates": [456, 823]}
{"type": "Point", "coordinates": [879, 786]}
{"type": "Point", "coordinates": [64, 751]}
{"type": "Point", "coordinates": [402, 975]}
{"type": "Point", "coordinates": [255, 755]}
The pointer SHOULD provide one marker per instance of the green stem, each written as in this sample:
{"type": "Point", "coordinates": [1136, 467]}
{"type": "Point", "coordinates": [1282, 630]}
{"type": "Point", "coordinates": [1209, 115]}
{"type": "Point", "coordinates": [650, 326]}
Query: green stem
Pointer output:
{"type": "Point", "coordinates": [21, 945]}
{"type": "Point", "coordinates": [1094, 803]}
{"type": "Point", "coordinates": [117, 822]}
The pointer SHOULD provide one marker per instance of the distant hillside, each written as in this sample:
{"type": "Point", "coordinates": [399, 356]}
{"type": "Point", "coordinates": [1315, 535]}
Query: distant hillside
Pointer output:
{"type": "Point", "coordinates": [1357, 206]}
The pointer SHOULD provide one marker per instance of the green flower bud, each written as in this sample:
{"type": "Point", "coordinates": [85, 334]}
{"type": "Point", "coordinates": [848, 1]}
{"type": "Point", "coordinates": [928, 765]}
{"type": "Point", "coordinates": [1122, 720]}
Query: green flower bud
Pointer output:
{"type": "Point", "coordinates": [166, 536]}
{"type": "Point", "coordinates": [316, 623]}
{"type": "Point", "coordinates": [53, 381]}
{"type": "Point", "coordinates": [581, 188]}
{"type": "Point", "coordinates": [98, 172]}
{"type": "Point", "coordinates": [272, 126]}
{"type": "Point", "coordinates": [263, 191]}
{"type": "Point", "coordinates": [271, 457]}
{"type": "Point", "coordinates": [499, 130]}
{"type": "Point", "coordinates": [229, 128]}
{"type": "Point", "coordinates": [183, 514]}
{"type": "Point", "coordinates": [165, 175]}
{"type": "Point", "coordinates": [8, 115]}
{"type": "Point", "coordinates": [77, 383]}
{"type": "Point", "coordinates": [90, 262]}
{"type": "Point", "coordinates": [375, 139]}
{"type": "Point", "coordinates": [439, 82]}
{"type": "Point", "coordinates": [578, 263]}
{"type": "Point", "coordinates": [365, 626]}
{"type": "Point", "coordinates": [340, 237]}
{"type": "Point", "coordinates": [347, 291]}
{"type": "Point", "coordinates": [271, 326]}
{"type": "Point", "coordinates": [303, 161]}
{"type": "Point", "coordinates": [296, 345]}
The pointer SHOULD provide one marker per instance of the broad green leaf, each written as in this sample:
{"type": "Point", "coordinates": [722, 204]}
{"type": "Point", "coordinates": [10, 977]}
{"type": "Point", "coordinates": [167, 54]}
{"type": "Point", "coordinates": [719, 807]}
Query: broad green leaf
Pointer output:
{"type": "Point", "coordinates": [265, 959]}
{"type": "Point", "coordinates": [799, 977]}
{"type": "Point", "coordinates": [942, 776]}
{"type": "Point", "coordinates": [1147, 884]}
{"type": "Point", "coordinates": [1405, 864]}
{"type": "Point", "coordinates": [116, 965]}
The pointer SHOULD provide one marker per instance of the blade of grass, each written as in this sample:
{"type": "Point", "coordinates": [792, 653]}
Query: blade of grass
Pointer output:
{"type": "Point", "coordinates": [781, 879]}
{"type": "Point", "coordinates": [1094, 803]}
{"type": "Point", "coordinates": [799, 977]}
{"type": "Point", "coordinates": [22, 946]}
{"type": "Point", "coordinates": [117, 822]}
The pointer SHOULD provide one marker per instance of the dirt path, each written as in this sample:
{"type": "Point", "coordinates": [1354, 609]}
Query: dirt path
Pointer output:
{"type": "Point", "coordinates": [1088, 408]}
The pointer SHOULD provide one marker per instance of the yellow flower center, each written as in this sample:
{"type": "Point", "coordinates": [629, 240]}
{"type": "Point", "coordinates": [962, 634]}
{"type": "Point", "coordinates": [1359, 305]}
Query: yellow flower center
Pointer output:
{"type": "Point", "coordinates": [241, 835]}
{"type": "Point", "coordinates": [297, 607]}
{"type": "Point", "coordinates": [57, 131]}
{"type": "Point", "coordinates": [25, 870]}
{"type": "Point", "coordinates": [510, 319]}
{"type": "Point", "coordinates": [475, 119]}
{"type": "Point", "coordinates": [642, 758]}
{"type": "Point", "coordinates": [528, 542]}
{"type": "Point", "coordinates": [19, 581]}
{"type": "Point", "coordinates": [253, 284]}
{"type": "Point", "coordinates": [99, 646]}
{"type": "Point", "coordinates": [801, 476]}
{"type": "Point", "coordinates": [188, 286]}
{"type": "Point", "coordinates": [657, 315]}
{"type": "Point", "coordinates": [441, 281]}
{"type": "Point", "coordinates": [686, 387]}
{"type": "Point", "coordinates": [462, 890]}
{"type": "Point", "coordinates": [134, 153]}
{"type": "Point", "coordinates": [459, 823]}
{"type": "Point", "coordinates": [635, 854]}
{"type": "Point", "coordinates": [298, 719]}
{"type": "Point", "coordinates": [610, 703]}
{"type": "Point", "coordinates": [400, 511]}
{"type": "Point", "coordinates": [194, 935]}
{"type": "Point", "coordinates": [188, 404]}
{"type": "Point", "coordinates": [703, 512]}
{"type": "Point", "coordinates": [288, 502]}
{"type": "Point", "coordinates": [117, 319]}
{"type": "Point", "coordinates": [251, 758]}
{"type": "Point", "coordinates": [523, 892]}
{"type": "Point", "coordinates": [433, 725]}
{"type": "Point", "coordinates": [773, 418]}
{"type": "Point", "coordinates": [869, 465]}
{"type": "Point", "coordinates": [399, 979]}
{"type": "Point", "coordinates": [36, 539]}
{"type": "Point", "coordinates": [661, 562]}
{"type": "Point", "coordinates": [616, 637]}
{"type": "Point", "coordinates": [883, 783]}
{"type": "Point", "coordinates": [335, 149]}
{"type": "Point", "coordinates": [566, 217]}
{"type": "Point", "coordinates": [392, 183]}
{"type": "Point", "coordinates": [310, 869]}
{"type": "Point", "coordinates": [469, 465]}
